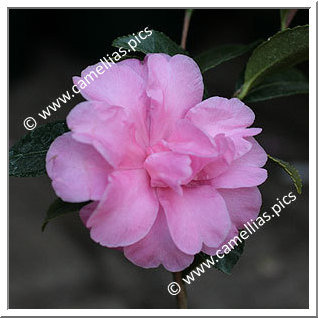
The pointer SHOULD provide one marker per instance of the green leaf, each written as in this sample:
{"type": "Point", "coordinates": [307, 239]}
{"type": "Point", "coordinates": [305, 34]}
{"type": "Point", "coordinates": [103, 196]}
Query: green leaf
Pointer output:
{"type": "Point", "coordinates": [224, 264]}
{"type": "Point", "coordinates": [59, 208]}
{"type": "Point", "coordinates": [157, 42]}
{"type": "Point", "coordinates": [229, 260]}
{"type": "Point", "coordinates": [27, 156]}
{"type": "Point", "coordinates": [291, 170]}
{"type": "Point", "coordinates": [286, 83]}
{"type": "Point", "coordinates": [286, 16]}
{"type": "Point", "coordinates": [281, 51]}
{"type": "Point", "coordinates": [221, 54]}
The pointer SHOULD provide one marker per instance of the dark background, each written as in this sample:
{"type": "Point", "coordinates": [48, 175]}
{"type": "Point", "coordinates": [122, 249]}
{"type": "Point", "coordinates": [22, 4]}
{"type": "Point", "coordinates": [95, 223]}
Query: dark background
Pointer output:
{"type": "Point", "coordinates": [63, 267]}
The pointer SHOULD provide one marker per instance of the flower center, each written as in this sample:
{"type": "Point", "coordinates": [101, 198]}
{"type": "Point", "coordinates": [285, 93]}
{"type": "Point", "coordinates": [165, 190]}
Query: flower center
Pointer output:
{"type": "Point", "coordinates": [168, 169]}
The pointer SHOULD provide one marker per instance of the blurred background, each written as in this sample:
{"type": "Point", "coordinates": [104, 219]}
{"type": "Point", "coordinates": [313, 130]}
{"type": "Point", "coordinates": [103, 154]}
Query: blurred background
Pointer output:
{"type": "Point", "coordinates": [63, 267]}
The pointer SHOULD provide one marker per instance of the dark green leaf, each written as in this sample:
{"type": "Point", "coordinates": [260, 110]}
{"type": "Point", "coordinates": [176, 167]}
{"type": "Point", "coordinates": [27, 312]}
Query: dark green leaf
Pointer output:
{"type": "Point", "coordinates": [227, 263]}
{"type": "Point", "coordinates": [291, 74]}
{"type": "Point", "coordinates": [224, 264]}
{"type": "Point", "coordinates": [59, 208]}
{"type": "Point", "coordinates": [291, 170]}
{"type": "Point", "coordinates": [221, 54]}
{"type": "Point", "coordinates": [286, 83]}
{"type": "Point", "coordinates": [281, 51]}
{"type": "Point", "coordinates": [286, 16]}
{"type": "Point", "coordinates": [157, 42]}
{"type": "Point", "coordinates": [27, 156]}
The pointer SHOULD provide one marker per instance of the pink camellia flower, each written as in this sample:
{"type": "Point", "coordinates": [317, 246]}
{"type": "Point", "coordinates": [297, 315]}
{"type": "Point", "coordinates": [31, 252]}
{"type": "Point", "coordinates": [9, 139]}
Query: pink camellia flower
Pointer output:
{"type": "Point", "coordinates": [169, 175]}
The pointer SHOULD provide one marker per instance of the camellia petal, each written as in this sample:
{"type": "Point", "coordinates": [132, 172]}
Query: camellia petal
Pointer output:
{"type": "Point", "coordinates": [78, 172]}
{"type": "Point", "coordinates": [219, 115]}
{"type": "Point", "coordinates": [157, 247]}
{"type": "Point", "coordinates": [188, 139]}
{"type": "Point", "coordinates": [121, 84]}
{"type": "Point", "coordinates": [127, 210]}
{"type": "Point", "coordinates": [240, 177]}
{"type": "Point", "coordinates": [256, 157]}
{"type": "Point", "coordinates": [108, 85]}
{"type": "Point", "coordinates": [109, 130]}
{"type": "Point", "coordinates": [174, 86]}
{"type": "Point", "coordinates": [245, 171]}
{"type": "Point", "coordinates": [231, 117]}
{"type": "Point", "coordinates": [198, 216]}
{"type": "Point", "coordinates": [229, 241]}
{"type": "Point", "coordinates": [243, 204]}
{"type": "Point", "coordinates": [169, 169]}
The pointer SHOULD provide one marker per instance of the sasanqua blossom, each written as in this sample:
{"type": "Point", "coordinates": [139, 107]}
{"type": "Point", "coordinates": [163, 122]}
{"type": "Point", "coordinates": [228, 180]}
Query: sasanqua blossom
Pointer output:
{"type": "Point", "coordinates": [169, 175]}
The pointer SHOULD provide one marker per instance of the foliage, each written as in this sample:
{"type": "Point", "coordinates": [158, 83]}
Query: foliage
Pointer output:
{"type": "Point", "coordinates": [59, 208]}
{"type": "Point", "coordinates": [27, 156]}
{"type": "Point", "coordinates": [292, 172]}
{"type": "Point", "coordinates": [281, 51]}
{"type": "Point", "coordinates": [224, 264]}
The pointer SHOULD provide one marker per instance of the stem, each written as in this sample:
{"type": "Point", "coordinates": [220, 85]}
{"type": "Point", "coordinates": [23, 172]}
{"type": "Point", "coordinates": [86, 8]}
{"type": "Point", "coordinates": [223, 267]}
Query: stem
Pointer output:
{"type": "Point", "coordinates": [182, 296]}
{"type": "Point", "coordinates": [186, 23]}
{"type": "Point", "coordinates": [241, 93]}
{"type": "Point", "coordinates": [285, 22]}
{"type": "Point", "coordinates": [290, 17]}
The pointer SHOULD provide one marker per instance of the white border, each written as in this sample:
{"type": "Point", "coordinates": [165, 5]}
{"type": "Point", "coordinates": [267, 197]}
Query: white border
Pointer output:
{"type": "Point", "coordinates": [312, 157]}
{"type": "Point", "coordinates": [312, 162]}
